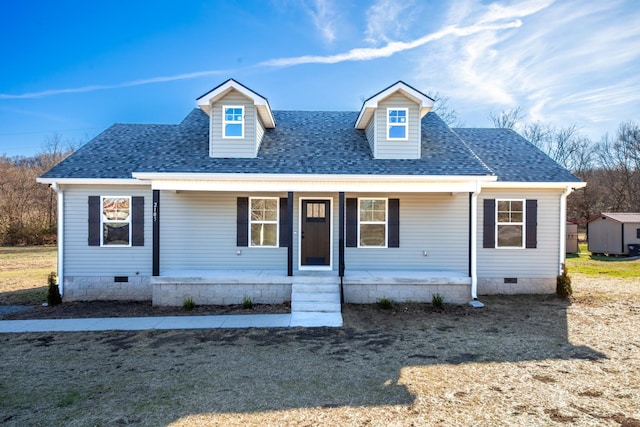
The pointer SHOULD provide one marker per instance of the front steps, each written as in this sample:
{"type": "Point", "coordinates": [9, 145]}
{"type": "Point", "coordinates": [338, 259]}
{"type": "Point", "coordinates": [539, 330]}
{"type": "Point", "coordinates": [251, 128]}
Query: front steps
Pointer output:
{"type": "Point", "coordinates": [315, 298]}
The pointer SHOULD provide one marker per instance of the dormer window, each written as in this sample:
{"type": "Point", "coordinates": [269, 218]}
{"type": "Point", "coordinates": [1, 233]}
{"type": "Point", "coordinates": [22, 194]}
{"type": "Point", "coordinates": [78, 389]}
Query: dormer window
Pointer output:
{"type": "Point", "coordinates": [397, 123]}
{"type": "Point", "coordinates": [233, 121]}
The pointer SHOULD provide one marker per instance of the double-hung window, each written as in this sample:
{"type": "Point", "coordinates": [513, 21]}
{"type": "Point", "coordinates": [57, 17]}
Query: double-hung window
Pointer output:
{"type": "Point", "coordinates": [233, 121]}
{"type": "Point", "coordinates": [372, 223]}
{"type": "Point", "coordinates": [116, 221]}
{"type": "Point", "coordinates": [263, 221]}
{"type": "Point", "coordinates": [510, 221]}
{"type": "Point", "coordinates": [397, 123]}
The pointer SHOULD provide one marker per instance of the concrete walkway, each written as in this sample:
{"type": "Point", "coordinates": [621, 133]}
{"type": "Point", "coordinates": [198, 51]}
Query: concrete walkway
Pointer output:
{"type": "Point", "coordinates": [309, 320]}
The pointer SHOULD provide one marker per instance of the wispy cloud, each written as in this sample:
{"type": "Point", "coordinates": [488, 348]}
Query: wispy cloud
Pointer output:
{"type": "Point", "coordinates": [387, 19]}
{"type": "Point", "coordinates": [324, 18]}
{"type": "Point", "coordinates": [570, 62]}
{"type": "Point", "coordinates": [391, 48]}
{"type": "Point", "coordinates": [358, 54]}
{"type": "Point", "coordinates": [93, 88]}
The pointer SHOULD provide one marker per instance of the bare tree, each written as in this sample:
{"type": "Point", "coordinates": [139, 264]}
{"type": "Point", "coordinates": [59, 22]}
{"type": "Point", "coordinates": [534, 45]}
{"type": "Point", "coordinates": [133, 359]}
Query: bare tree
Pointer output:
{"type": "Point", "coordinates": [441, 107]}
{"type": "Point", "coordinates": [28, 209]}
{"type": "Point", "coordinates": [508, 119]}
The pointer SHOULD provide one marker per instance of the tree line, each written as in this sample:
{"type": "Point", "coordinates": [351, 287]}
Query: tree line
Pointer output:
{"type": "Point", "coordinates": [610, 166]}
{"type": "Point", "coordinates": [28, 210]}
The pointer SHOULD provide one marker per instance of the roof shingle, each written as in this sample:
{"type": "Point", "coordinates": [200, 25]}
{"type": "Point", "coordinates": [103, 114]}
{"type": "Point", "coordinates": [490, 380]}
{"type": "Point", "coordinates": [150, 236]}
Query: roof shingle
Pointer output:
{"type": "Point", "coordinates": [308, 143]}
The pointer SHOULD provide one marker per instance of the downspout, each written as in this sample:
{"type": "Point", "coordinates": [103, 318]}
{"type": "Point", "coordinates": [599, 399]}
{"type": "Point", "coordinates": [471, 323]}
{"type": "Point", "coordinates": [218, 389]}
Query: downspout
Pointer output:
{"type": "Point", "coordinates": [473, 261]}
{"type": "Point", "coordinates": [60, 236]}
{"type": "Point", "coordinates": [563, 228]}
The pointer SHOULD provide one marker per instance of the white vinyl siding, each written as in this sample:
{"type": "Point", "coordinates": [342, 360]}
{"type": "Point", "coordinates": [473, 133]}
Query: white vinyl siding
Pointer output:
{"type": "Point", "coordinates": [259, 134]}
{"type": "Point", "coordinates": [83, 260]}
{"type": "Point", "coordinates": [370, 132]}
{"type": "Point", "coordinates": [408, 148]}
{"type": "Point", "coordinates": [437, 223]}
{"type": "Point", "coordinates": [539, 262]}
{"type": "Point", "coordinates": [198, 232]}
{"type": "Point", "coordinates": [233, 147]}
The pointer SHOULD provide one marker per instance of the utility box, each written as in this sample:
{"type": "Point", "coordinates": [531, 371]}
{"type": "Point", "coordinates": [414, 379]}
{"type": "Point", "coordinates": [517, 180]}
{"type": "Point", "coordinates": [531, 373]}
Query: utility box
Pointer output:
{"type": "Point", "coordinates": [572, 238]}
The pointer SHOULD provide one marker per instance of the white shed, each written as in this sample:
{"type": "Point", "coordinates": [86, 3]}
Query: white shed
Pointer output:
{"type": "Point", "coordinates": [611, 233]}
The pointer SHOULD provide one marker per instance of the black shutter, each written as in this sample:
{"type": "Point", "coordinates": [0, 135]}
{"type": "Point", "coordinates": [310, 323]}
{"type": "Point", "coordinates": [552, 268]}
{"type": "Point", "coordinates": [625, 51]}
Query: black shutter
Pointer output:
{"type": "Point", "coordinates": [137, 221]}
{"type": "Point", "coordinates": [352, 224]}
{"type": "Point", "coordinates": [94, 220]}
{"type": "Point", "coordinates": [489, 224]}
{"type": "Point", "coordinates": [242, 229]}
{"type": "Point", "coordinates": [531, 238]}
{"type": "Point", "coordinates": [394, 223]}
{"type": "Point", "coordinates": [284, 230]}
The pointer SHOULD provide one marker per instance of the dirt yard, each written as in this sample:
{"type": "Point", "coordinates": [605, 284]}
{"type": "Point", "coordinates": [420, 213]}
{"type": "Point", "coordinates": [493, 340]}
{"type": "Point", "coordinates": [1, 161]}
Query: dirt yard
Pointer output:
{"type": "Point", "coordinates": [525, 360]}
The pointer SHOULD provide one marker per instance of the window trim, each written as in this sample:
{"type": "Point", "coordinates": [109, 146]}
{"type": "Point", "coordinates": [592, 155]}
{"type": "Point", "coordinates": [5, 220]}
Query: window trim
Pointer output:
{"type": "Point", "coordinates": [386, 222]}
{"type": "Point", "coordinates": [405, 124]}
{"type": "Point", "coordinates": [276, 222]}
{"type": "Point", "coordinates": [522, 224]}
{"type": "Point", "coordinates": [128, 221]}
{"type": "Point", "coordinates": [234, 122]}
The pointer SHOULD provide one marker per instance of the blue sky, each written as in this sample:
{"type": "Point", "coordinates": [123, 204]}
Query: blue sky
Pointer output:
{"type": "Point", "coordinates": [75, 68]}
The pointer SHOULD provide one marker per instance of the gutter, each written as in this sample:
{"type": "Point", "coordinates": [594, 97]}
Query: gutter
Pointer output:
{"type": "Point", "coordinates": [60, 236]}
{"type": "Point", "coordinates": [563, 228]}
{"type": "Point", "coordinates": [473, 243]}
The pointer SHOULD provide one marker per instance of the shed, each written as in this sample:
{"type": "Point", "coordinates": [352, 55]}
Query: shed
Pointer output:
{"type": "Point", "coordinates": [611, 233]}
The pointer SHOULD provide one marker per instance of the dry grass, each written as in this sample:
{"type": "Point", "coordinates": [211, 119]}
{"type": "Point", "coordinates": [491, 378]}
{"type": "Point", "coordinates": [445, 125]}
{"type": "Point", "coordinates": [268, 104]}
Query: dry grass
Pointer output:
{"type": "Point", "coordinates": [523, 360]}
{"type": "Point", "coordinates": [23, 273]}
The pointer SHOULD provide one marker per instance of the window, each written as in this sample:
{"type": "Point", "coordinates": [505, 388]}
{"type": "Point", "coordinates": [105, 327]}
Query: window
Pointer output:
{"type": "Point", "coordinates": [263, 222]}
{"type": "Point", "coordinates": [397, 123]}
{"type": "Point", "coordinates": [372, 223]}
{"type": "Point", "coordinates": [510, 220]}
{"type": "Point", "coordinates": [116, 221]}
{"type": "Point", "coordinates": [233, 122]}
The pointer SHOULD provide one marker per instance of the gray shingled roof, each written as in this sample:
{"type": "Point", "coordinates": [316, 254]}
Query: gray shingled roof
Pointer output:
{"type": "Point", "coordinates": [512, 157]}
{"type": "Point", "coordinates": [307, 143]}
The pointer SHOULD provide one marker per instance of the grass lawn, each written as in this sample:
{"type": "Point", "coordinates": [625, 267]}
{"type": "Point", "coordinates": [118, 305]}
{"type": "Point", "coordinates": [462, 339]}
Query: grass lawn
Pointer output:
{"type": "Point", "coordinates": [23, 274]}
{"type": "Point", "coordinates": [598, 265]}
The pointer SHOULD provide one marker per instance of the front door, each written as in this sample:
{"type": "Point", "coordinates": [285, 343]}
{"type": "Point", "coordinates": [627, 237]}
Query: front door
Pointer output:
{"type": "Point", "coordinates": [315, 243]}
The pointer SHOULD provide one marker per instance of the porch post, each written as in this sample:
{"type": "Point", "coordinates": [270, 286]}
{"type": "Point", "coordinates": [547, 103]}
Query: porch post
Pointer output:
{"type": "Point", "coordinates": [156, 233]}
{"type": "Point", "coordinates": [290, 233]}
{"type": "Point", "coordinates": [341, 234]}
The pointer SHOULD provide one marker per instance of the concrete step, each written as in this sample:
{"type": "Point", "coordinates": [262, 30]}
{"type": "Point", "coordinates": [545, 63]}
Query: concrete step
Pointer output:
{"type": "Point", "coordinates": [318, 307]}
{"type": "Point", "coordinates": [315, 296]}
{"type": "Point", "coordinates": [316, 287]}
{"type": "Point", "coordinates": [308, 297]}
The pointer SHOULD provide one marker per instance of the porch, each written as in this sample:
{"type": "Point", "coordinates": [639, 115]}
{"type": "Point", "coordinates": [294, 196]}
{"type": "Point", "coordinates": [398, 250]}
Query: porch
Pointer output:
{"type": "Point", "coordinates": [276, 286]}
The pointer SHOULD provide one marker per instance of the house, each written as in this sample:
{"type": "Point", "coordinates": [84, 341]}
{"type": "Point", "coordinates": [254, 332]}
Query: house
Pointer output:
{"type": "Point", "coordinates": [612, 233]}
{"type": "Point", "coordinates": [239, 200]}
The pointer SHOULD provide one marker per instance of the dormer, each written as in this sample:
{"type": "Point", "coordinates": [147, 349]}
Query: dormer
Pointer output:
{"type": "Point", "coordinates": [391, 120]}
{"type": "Point", "coordinates": [238, 118]}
